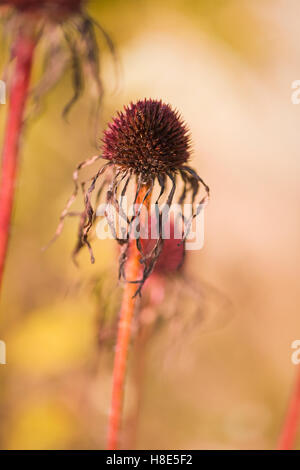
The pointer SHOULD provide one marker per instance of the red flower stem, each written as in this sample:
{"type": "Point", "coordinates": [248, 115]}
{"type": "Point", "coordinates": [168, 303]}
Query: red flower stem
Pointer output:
{"type": "Point", "coordinates": [140, 363]}
{"type": "Point", "coordinates": [292, 420]}
{"type": "Point", "coordinates": [133, 271]}
{"type": "Point", "coordinates": [23, 51]}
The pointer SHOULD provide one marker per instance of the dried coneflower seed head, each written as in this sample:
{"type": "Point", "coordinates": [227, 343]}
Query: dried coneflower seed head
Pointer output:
{"type": "Point", "coordinates": [148, 137]}
{"type": "Point", "coordinates": [149, 143]}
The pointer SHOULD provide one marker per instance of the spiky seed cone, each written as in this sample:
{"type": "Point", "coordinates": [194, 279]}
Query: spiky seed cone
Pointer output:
{"type": "Point", "coordinates": [148, 137]}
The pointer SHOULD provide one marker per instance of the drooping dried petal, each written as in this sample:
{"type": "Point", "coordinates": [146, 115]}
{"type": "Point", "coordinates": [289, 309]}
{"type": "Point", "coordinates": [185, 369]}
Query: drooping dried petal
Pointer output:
{"type": "Point", "coordinates": [172, 254]}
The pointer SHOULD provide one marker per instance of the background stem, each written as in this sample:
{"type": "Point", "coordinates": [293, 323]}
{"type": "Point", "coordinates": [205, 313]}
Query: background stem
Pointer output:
{"type": "Point", "coordinates": [133, 272]}
{"type": "Point", "coordinates": [291, 423]}
{"type": "Point", "coordinates": [23, 51]}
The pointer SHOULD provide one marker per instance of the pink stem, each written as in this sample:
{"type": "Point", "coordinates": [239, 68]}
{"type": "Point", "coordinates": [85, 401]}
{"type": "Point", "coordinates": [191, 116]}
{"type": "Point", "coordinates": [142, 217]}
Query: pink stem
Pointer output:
{"type": "Point", "coordinates": [23, 52]}
{"type": "Point", "coordinates": [292, 420]}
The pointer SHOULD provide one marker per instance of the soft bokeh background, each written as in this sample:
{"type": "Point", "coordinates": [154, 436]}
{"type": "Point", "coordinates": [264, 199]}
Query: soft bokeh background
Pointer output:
{"type": "Point", "coordinates": [228, 66]}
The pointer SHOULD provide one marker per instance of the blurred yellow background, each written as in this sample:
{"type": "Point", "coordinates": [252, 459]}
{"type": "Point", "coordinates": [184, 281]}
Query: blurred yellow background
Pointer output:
{"type": "Point", "coordinates": [228, 66]}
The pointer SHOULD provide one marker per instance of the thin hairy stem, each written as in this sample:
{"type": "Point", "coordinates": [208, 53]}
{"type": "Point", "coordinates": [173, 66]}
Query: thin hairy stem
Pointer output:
{"type": "Point", "coordinates": [24, 49]}
{"type": "Point", "coordinates": [133, 272]}
{"type": "Point", "coordinates": [291, 424]}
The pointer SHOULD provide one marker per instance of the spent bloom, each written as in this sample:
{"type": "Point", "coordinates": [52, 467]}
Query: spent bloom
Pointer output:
{"type": "Point", "coordinates": [147, 143]}
{"type": "Point", "coordinates": [68, 35]}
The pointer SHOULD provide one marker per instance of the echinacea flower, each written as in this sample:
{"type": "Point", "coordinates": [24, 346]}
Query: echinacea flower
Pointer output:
{"type": "Point", "coordinates": [68, 34]}
{"type": "Point", "coordinates": [148, 143]}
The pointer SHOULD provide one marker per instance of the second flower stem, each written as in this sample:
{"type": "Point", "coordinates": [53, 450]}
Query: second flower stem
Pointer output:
{"type": "Point", "coordinates": [23, 51]}
{"type": "Point", "coordinates": [292, 420]}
